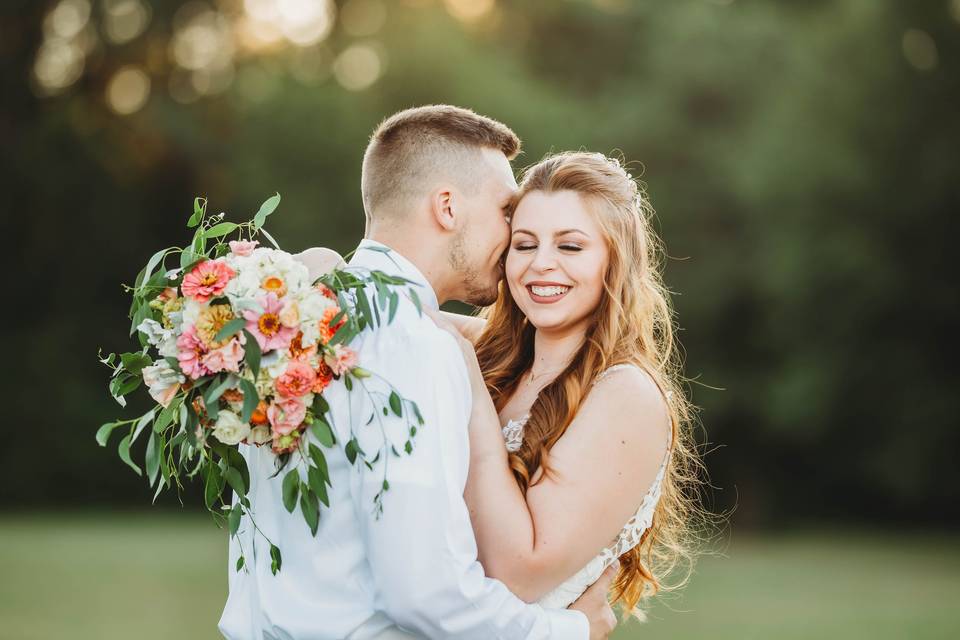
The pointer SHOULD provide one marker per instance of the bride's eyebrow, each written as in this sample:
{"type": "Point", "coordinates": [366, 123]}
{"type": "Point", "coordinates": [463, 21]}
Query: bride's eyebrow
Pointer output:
{"type": "Point", "coordinates": [529, 233]}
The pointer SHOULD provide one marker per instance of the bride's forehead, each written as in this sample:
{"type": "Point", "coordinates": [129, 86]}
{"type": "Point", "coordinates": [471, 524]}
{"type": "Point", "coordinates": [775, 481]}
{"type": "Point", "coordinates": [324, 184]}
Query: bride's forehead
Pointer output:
{"type": "Point", "coordinates": [544, 212]}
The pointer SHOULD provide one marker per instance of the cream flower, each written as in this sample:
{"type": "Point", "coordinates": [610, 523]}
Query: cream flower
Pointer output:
{"type": "Point", "coordinates": [163, 382]}
{"type": "Point", "coordinates": [229, 429]}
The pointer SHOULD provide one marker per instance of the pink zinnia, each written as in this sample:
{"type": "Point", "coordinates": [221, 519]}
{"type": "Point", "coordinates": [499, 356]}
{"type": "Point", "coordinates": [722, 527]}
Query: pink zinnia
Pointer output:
{"type": "Point", "coordinates": [297, 380]}
{"type": "Point", "coordinates": [242, 248]}
{"type": "Point", "coordinates": [342, 360]}
{"type": "Point", "coordinates": [190, 353]}
{"type": "Point", "coordinates": [266, 326]}
{"type": "Point", "coordinates": [286, 415]}
{"type": "Point", "coordinates": [225, 358]}
{"type": "Point", "coordinates": [207, 280]}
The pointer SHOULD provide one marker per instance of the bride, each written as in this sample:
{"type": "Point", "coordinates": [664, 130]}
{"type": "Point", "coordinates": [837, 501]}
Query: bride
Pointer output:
{"type": "Point", "coordinates": [574, 368]}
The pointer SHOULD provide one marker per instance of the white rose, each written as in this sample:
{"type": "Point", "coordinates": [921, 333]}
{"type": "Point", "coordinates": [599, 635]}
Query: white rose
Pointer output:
{"type": "Point", "coordinates": [229, 429]}
{"type": "Point", "coordinates": [191, 311]}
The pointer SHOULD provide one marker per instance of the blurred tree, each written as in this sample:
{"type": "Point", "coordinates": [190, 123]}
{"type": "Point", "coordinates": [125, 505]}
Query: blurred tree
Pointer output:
{"type": "Point", "coordinates": [801, 157]}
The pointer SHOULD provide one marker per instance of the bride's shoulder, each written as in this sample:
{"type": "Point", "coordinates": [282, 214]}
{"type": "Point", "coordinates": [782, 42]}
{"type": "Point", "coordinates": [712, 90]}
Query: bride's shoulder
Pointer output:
{"type": "Point", "coordinates": [627, 401]}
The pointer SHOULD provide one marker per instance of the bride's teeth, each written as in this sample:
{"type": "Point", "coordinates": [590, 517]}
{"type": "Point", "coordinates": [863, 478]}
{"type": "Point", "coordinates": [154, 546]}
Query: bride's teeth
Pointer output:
{"type": "Point", "coordinates": [546, 292]}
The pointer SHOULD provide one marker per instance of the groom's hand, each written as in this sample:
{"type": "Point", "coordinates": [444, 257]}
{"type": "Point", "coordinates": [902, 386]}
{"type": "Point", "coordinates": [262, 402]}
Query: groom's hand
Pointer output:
{"type": "Point", "coordinates": [593, 603]}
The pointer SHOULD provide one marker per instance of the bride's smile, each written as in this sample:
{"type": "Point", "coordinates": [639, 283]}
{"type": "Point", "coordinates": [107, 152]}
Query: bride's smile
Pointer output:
{"type": "Point", "coordinates": [556, 261]}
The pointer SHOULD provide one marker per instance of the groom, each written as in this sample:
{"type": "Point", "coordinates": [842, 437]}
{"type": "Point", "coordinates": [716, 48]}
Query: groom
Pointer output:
{"type": "Point", "coordinates": [436, 182]}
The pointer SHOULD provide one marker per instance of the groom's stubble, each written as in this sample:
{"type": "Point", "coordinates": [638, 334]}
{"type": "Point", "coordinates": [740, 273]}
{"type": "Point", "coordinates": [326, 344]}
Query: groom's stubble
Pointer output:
{"type": "Point", "coordinates": [479, 289]}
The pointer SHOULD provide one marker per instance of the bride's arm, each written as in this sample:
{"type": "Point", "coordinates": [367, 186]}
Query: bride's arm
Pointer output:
{"type": "Point", "coordinates": [604, 464]}
{"type": "Point", "coordinates": [470, 327]}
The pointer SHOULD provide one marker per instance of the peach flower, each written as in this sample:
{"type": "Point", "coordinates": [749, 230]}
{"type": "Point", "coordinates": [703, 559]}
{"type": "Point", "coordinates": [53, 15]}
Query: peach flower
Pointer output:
{"type": "Point", "coordinates": [286, 415]}
{"type": "Point", "coordinates": [190, 353]}
{"type": "Point", "coordinates": [341, 360]}
{"type": "Point", "coordinates": [242, 248]}
{"type": "Point", "coordinates": [297, 380]}
{"type": "Point", "coordinates": [225, 358]}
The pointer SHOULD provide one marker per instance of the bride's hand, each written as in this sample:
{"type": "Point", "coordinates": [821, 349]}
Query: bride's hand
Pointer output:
{"type": "Point", "coordinates": [466, 349]}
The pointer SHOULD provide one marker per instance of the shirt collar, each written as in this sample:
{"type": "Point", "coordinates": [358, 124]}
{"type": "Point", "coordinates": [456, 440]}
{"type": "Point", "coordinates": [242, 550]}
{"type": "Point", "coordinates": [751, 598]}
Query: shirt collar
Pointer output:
{"type": "Point", "coordinates": [377, 256]}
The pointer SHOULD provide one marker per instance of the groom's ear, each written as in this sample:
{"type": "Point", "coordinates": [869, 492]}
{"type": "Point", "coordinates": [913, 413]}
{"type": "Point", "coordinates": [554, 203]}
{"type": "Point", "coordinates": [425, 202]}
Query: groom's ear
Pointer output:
{"type": "Point", "coordinates": [442, 208]}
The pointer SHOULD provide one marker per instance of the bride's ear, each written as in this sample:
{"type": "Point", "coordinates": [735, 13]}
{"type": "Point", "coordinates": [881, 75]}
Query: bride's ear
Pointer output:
{"type": "Point", "coordinates": [320, 261]}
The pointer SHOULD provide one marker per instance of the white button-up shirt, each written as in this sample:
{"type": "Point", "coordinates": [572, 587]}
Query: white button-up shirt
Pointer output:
{"type": "Point", "coordinates": [415, 565]}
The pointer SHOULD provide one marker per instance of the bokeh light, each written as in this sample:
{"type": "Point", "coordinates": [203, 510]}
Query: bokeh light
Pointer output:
{"type": "Point", "coordinates": [302, 22]}
{"type": "Point", "coordinates": [469, 10]}
{"type": "Point", "coordinates": [920, 50]}
{"type": "Point", "coordinates": [67, 18]}
{"type": "Point", "coordinates": [124, 20]}
{"type": "Point", "coordinates": [358, 67]}
{"type": "Point", "coordinates": [128, 90]}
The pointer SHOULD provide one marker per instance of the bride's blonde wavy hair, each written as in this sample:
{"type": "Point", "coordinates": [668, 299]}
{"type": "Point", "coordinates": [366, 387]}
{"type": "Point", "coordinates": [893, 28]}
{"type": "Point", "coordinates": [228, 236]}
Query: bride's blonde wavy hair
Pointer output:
{"type": "Point", "coordinates": [633, 324]}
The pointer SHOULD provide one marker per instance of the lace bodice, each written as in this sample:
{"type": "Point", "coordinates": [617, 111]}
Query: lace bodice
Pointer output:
{"type": "Point", "coordinates": [628, 538]}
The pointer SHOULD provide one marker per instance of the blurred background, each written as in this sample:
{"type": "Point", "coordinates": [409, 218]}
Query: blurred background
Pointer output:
{"type": "Point", "coordinates": [802, 158]}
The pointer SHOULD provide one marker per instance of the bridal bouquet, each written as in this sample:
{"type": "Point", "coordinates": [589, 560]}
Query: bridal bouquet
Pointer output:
{"type": "Point", "coordinates": [237, 345]}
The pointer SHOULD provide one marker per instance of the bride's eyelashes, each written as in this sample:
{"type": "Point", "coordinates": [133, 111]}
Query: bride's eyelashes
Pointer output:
{"type": "Point", "coordinates": [563, 247]}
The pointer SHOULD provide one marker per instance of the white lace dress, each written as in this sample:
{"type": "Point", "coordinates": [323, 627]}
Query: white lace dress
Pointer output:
{"type": "Point", "coordinates": [628, 538]}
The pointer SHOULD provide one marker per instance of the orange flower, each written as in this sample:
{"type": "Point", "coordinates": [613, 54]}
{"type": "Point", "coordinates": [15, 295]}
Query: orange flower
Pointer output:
{"type": "Point", "coordinates": [259, 415]}
{"type": "Point", "coordinates": [326, 330]}
{"type": "Point", "coordinates": [274, 284]}
{"type": "Point", "coordinates": [324, 376]}
{"type": "Point", "coordinates": [298, 351]}
{"type": "Point", "coordinates": [232, 395]}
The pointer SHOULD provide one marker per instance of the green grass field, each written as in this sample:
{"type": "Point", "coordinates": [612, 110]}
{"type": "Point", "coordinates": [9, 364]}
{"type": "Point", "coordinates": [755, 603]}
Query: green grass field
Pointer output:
{"type": "Point", "coordinates": [155, 576]}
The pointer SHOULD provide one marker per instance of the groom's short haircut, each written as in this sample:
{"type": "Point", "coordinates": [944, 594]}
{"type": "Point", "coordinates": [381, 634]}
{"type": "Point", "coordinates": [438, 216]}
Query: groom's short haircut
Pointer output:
{"type": "Point", "coordinates": [411, 149]}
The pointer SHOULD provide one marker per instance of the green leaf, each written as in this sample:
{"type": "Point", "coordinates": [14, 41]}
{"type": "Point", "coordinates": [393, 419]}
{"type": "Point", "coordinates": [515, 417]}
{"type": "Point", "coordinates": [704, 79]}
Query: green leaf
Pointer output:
{"type": "Point", "coordinates": [395, 404]}
{"type": "Point", "coordinates": [252, 353]}
{"type": "Point", "coordinates": [214, 485]}
{"type": "Point", "coordinates": [320, 462]}
{"type": "Point", "coordinates": [142, 313]}
{"type": "Point", "coordinates": [291, 485]}
{"type": "Point", "coordinates": [317, 485]}
{"type": "Point", "coordinates": [310, 509]}
{"type": "Point", "coordinates": [320, 405]}
{"type": "Point", "coordinates": [220, 230]}
{"type": "Point", "coordinates": [103, 433]}
{"type": "Point", "coordinates": [153, 458]}
{"type": "Point", "coordinates": [188, 257]}
{"type": "Point", "coordinates": [322, 432]}
{"type": "Point", "coordinates": [351, 450]}
{"type": "Point", "coordinates": [276, 559]}
{"type": "Point", "coordinates": [230, 329]}
{"type": "Point", "coordinates": [394, 303]}
{"type": "Point", "coordinates": [416, 300]}
{"type": "Point", "coordinates": [240, 562]}
{"type": "Point", "coordinates": [124, 450]}
{"type": "Point", "coordinates": [416, 412]}
{"type": "Point", "coordinates": [250, 399]}
{"type": "Point", "coordinates": [199, 207]}
{"type": "Point", "coordinates": [155, 259]}
{"type": "Point", "coordinates": [269, 205]}
{"type": "Point", "coordinates": [235, 480]}
{"type": "Point", "coordinates": [270, 238]}
{"type": "Point", "coordinates": [233, 521]}
{"type": "Point", "coordinates": [166, 416]}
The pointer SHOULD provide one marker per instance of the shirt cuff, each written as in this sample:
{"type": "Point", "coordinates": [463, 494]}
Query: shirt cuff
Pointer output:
{"type": "Point", "coordinates": [568, 624]}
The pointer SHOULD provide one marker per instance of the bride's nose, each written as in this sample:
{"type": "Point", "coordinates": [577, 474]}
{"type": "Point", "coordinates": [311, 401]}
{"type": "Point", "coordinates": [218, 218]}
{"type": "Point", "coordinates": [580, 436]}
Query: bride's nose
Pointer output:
{"type": "Point", "coordinates": [544, 260]}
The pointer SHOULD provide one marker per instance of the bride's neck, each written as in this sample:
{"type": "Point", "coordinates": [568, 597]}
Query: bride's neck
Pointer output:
{"type": "Point", "coordinates": [552, 352]}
